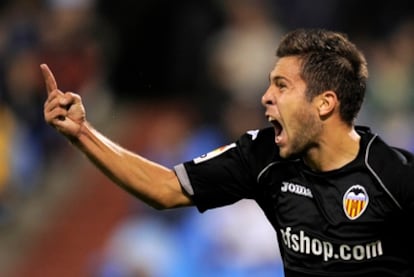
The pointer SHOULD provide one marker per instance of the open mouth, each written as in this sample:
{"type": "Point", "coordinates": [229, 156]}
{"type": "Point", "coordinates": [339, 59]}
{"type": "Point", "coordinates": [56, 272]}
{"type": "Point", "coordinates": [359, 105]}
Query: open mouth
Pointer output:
{"type": "Point", "coordinates": [277, 127]}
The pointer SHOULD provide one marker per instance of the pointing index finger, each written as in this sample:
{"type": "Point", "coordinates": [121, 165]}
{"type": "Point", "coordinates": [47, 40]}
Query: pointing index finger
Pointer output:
{"type": "Point", "coordinates": [50, 81]}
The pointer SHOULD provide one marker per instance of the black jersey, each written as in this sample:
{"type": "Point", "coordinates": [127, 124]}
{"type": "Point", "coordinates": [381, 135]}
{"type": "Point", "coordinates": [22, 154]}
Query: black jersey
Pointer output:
{"type": "Point", "coordinates": [353, 221]}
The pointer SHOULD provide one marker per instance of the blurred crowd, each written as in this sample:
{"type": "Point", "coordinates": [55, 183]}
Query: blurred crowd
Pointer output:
{"type": "Point", "coordinates": [65, 35]}
{"type": "Point", "coordinates": [188, 77]}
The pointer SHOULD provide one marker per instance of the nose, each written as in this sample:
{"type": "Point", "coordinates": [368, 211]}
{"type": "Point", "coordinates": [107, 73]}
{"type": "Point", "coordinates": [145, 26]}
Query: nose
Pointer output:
{"type": "Point", "coordinates": [267, 98]}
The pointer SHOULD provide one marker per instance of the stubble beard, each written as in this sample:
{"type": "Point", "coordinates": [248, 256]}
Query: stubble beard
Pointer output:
{"type": "Point", "coordinates": [302, 136]}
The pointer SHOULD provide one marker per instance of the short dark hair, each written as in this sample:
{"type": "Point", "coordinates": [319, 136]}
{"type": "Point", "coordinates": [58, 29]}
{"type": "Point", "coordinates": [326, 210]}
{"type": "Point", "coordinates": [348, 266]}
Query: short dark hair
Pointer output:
{"type": "Point", "coordinates": [329, 62]}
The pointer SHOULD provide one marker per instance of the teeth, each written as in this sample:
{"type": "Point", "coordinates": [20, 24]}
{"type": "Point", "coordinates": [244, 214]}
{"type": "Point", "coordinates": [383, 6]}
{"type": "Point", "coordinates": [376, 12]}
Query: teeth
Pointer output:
{"type": "Point", "coordinates": [270, 118]}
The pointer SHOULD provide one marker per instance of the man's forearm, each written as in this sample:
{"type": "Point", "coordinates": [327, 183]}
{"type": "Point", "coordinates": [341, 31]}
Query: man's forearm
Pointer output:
{"type": "Point", "coordinates": [153, 183]}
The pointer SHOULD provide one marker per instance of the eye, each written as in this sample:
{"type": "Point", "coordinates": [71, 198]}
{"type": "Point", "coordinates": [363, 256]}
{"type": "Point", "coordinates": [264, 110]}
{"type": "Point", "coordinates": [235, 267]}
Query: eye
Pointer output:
{"type": "Point", "coordinates": [281, 85]}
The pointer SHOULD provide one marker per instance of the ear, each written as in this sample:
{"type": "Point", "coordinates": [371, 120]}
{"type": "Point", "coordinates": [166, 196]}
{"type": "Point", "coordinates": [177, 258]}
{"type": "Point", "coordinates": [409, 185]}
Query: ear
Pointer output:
{"type": "Point", "coordinates": [327, 103]}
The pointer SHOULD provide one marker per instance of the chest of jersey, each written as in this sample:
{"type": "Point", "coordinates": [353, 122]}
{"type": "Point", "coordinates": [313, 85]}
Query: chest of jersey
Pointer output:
{"type": "Point", "coordinates": [334, 203]}
{"type": "Point", "coordinates": [338, 217]}
{"type": "Point", "coordinates": [337, 207]}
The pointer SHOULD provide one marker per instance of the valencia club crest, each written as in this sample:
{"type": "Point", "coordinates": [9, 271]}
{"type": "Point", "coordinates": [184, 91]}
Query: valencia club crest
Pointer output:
{"type": "Point", "coordinates": [355, 201]}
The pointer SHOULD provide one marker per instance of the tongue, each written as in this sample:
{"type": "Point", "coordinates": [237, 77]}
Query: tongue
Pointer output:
{"type": "Point", "coordinates": [278, 127]}
{"type": "Point", "coordinates": [278, 139]}
{"type": "Point", "coordinates": [278, 132]}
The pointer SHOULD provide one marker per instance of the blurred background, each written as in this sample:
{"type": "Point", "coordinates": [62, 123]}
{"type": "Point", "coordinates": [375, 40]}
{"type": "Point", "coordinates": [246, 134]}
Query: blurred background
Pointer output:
{"type": "Point", "coordinates": [170, 80]}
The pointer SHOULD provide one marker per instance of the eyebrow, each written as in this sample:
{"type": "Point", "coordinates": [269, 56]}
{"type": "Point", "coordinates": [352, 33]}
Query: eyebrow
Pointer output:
{"type": "Point", "coordinates": [277, 78]}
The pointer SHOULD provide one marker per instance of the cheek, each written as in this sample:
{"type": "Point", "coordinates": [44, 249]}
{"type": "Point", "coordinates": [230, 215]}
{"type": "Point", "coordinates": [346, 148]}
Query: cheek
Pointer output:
{"type": "Point", "coordinates": [305, 119]}
{"type": "Point", "coordinates": [310, 125]}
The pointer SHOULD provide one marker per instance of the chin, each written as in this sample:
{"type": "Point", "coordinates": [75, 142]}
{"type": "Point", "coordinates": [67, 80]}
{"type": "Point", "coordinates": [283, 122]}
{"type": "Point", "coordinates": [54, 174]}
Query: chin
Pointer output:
{"type": "Point", "coordinates": [287, 154]}
{"type": "Point", "coordinates": [284, 153]}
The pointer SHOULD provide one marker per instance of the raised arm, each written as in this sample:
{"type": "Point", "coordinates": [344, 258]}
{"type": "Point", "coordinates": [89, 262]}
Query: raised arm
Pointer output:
{"type": "Point", "coordinates": [154, 184]}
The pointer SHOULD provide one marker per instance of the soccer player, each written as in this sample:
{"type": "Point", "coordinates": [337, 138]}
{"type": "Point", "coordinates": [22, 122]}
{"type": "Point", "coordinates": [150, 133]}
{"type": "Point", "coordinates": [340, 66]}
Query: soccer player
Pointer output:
{"type": "Point", "coordinates": [339, 198]}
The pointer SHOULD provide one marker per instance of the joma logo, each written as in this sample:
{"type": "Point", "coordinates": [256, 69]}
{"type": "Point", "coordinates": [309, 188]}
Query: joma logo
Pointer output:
{"type": "Point", "coordinates": [296, 189]}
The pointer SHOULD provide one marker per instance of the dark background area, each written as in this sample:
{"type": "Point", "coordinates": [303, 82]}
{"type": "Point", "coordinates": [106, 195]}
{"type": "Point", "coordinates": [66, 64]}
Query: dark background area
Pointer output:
{"type": "Point", "coordinates": [161, 42]}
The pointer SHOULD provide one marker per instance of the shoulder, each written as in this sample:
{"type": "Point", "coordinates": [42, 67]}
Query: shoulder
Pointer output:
{"type": "Point", "coordinates": [393, 168]}
{"type": "Point", "coordinates": [258, 148]}
{"type": "Point", "coordinates": [258, 142]}
{"type": "Point", "coordinates": [266, 134]}
{"type": "Point", "coordinates": [379, 151]}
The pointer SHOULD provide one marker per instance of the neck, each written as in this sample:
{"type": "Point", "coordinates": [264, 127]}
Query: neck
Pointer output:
{"type": "Point", "coordinates": [337, 148]}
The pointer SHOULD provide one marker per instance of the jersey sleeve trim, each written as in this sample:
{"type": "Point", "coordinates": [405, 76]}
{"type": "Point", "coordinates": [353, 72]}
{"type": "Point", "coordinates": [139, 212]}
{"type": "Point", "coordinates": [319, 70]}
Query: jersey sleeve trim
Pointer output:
{"type": "Point", "coordinates": [183, 178]}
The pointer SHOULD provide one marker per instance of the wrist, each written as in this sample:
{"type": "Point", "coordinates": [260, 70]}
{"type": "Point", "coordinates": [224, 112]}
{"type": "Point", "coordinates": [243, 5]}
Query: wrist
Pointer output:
{"type": "Point", "coordinates": [83, 129]}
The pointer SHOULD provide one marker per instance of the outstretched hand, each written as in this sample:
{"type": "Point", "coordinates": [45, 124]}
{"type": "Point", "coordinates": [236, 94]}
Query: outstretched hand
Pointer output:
{"type": "Point", "coordinates": [63, 111]}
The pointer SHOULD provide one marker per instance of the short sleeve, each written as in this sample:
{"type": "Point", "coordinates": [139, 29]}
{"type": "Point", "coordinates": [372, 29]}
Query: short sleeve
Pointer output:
{"type": "Point", "coordinates": [227, 174]}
